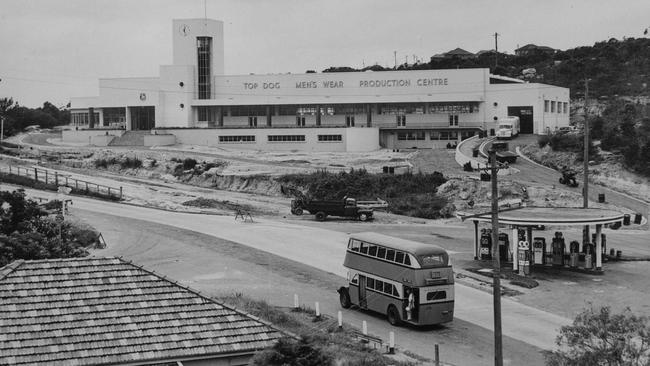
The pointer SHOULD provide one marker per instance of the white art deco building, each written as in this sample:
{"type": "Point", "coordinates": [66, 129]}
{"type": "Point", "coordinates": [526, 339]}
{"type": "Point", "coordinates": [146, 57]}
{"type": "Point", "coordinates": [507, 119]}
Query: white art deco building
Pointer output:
{"type": "Point", "coordinates": [195, 103]}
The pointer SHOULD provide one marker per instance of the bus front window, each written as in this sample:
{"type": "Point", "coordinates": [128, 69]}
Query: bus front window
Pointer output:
{"type": "Point", "coordinates": [432, 260]}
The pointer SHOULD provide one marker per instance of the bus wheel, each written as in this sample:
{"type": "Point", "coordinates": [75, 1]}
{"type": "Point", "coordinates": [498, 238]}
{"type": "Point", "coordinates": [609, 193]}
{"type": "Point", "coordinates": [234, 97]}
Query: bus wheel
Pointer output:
{"type": "Point", "coordinates": [393, 316]}
{"type": "Point", "coordinates": [297, 211]}
{"type": "Point", "coordinates": [344, 298]}
{"type": "Point", "coordinates": [363, 217]}
{"type": "Point", "coordinates": [320, 216]}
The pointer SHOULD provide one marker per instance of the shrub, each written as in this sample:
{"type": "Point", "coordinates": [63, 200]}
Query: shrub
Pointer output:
{"type": "Point", "coordinates": [468, 167]}
{"type": "Point", "coordinates": [189, 163]}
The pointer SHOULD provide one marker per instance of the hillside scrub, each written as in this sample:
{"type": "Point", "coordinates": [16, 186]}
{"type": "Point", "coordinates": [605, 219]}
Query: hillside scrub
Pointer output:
{"type": "Point", "coordinates": [407, 194]}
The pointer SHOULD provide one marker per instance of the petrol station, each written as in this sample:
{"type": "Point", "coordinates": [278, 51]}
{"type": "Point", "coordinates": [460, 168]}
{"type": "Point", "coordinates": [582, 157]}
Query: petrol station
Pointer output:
{"type": "Point", "coordinates": [531, 247]}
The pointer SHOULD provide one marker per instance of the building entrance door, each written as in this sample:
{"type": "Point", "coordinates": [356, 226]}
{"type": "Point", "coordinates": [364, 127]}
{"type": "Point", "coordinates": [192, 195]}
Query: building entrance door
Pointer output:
{"type": "Point", "coordinates": [143, 118]}
{"type": "Point", "coordinates": [525, 114]}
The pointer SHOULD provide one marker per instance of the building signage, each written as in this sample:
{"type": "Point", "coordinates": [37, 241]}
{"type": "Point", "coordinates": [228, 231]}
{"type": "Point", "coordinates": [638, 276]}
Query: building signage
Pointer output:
{"type": "Point", "coordinates": [336, 84]}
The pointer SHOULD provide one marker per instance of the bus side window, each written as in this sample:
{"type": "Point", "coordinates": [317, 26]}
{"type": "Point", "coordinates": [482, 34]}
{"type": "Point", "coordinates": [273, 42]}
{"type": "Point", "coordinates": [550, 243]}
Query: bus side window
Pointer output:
{"type": "Point", "coordinates": [354, 245]}
{"type": "Point", "coordinates": [381, 252]}
{"type": "Point", "coordinates": [372, 250]}
{"type": "Point", "coordinates": [407, 260]}
{"type": "Point", "coordinates": [355, 279]}
{"type": "Point", "coordinates": [379, 285]}
{"type": "Point", "coordinates": [364, 248]}
{"type": "Point", "coordinates": [370, 282]}
{"type": "Point", "coordinates": [399, 257]}
{"type": "Point", "coordinates": [390, 254]}
{"type": "Point", "coordinates": [388, 288]}
{"type": "Point", "coordinates": [395, 293]}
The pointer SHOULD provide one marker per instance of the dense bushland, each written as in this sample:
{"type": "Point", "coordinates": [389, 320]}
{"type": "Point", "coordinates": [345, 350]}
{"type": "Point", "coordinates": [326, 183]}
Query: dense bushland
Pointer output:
{"type": "Point", "coordinates": [407, 194]}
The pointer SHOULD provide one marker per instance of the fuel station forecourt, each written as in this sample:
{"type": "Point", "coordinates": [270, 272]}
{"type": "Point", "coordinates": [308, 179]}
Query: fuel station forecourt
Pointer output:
{"type": "Point", "coordinates": [526, 250]}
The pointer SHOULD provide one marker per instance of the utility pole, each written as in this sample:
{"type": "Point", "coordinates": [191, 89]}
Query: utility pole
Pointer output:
{"type": "Point", "coordinates": [2, 128]}
{"type": "Point", "coordinates": [496, 273]}
{"type": "Point", "coordinates": [585, 188]}
{"type": "Point", "coordinates": [395, 56]}
{"type": "Point", "coordinates": [496, 50]}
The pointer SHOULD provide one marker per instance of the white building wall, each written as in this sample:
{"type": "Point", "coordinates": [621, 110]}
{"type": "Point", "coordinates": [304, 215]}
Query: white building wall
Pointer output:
{"type": "Point", "coordinates": [363, 139]}
{"type": "Point", "coordinates": [184, 36]}
{"type": "Point", "coordinates": [133, 92]}
{"type": "Point", "coordinates": [533, 94]}
{"type": "Point", "coordinates": [170, 113]}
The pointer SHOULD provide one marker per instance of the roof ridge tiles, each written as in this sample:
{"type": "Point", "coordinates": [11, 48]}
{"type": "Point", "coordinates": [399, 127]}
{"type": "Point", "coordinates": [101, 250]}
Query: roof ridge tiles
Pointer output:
{"type": "Point", "coordinates": [6, 270]}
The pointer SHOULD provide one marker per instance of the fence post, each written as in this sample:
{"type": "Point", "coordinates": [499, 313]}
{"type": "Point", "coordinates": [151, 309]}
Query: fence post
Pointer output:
{"type": "Point", "coordinates": [296, 303]}
{"type": "Point", "coordinates": [66, 181]}
{"type": "Point", "coordinates": [46, 177]}
{"type": "Point", "coordinates": [109, 191]}
{"type": "Point", "coordinates": [120, 192]}
{"type": "Point", "coordinates": [35, 174]}
{"type": "Point", "coordinates": [436, 356]}
{"type": "Point", "coordinates": [391, 342]}
{"type": "Point", "coordinates": [340, 319]}
{"type": "Point", "coordinates": [56, 178]}
{"type": "Point", "coordinates": [317, 310]}
{"type": "Point", "coordinates": [86, 186]}
{"type": "Point", "coordinates": [76, 184]}
{"type": "Point", "coordinates": [364, 328]}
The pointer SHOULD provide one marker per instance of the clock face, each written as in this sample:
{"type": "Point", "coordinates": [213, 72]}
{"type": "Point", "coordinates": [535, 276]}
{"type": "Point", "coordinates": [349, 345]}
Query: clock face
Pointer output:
{"type": "Point", "coordinates": [184, 29]}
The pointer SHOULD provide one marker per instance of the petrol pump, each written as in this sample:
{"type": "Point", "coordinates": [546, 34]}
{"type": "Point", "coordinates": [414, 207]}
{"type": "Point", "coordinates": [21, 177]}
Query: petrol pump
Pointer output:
{"type": "Point", "coordinates": [503, 247]}
{"type": "Point", "coordinates": [589, 255]}
{"type": "Point", "coordinates": [486, 244]}
{"type": "Point", "coordinates": [574, 249]}
{"type": "Point", "coordinates": [558, 249]}
{"type": "Point", "coordinates": [603, 240]}
{"type": "Point", "coordinates": [539, 249]}
{"type": "Point", "coordinates": [523, 257]}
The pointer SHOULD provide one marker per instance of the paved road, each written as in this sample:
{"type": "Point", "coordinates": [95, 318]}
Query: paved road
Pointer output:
{"type": "Point", "coordinates": [325, 249]}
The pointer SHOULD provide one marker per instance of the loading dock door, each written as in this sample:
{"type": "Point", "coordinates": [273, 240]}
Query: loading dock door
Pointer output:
{"type": "Point", "coordinates": [525, 114]}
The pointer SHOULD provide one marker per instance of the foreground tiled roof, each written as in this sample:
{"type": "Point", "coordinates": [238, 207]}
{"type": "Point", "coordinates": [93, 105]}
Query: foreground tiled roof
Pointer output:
{"type": "Point", "coordinates": [99, 311]}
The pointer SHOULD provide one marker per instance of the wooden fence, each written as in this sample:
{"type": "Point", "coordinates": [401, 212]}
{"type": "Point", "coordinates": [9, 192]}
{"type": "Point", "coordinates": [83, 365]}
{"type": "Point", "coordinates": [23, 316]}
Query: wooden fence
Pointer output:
{"type": "Point", "coordinates": [50, 177]}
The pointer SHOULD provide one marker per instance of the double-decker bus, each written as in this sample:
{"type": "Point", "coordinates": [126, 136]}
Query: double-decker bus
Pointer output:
{"type": "Point", "coordinates": [410, 282]}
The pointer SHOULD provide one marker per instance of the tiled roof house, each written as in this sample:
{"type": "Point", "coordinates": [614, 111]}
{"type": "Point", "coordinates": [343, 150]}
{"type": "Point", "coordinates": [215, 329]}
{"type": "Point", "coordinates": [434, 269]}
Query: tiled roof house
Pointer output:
{"type": "Point", "coordinates": [106, 311]}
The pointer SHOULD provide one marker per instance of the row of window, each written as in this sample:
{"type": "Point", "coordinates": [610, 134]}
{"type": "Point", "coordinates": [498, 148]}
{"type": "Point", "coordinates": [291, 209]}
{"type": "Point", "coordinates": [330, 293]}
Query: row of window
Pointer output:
{"type": "Point", "coordinates": [279, 138]}
{"type": "Point", "coordinates": [380, 252]}
{"type": "Point", "coordinates": [351, 109]}
{"type": "Point", "coordinates": [433, 135]}
{"type": "Point", "coordinates": [245, 138]}
{"type": "Point", "coordinates": [80, 119]}
{"type": "Point", "coordinates": [378, 285]}
{"type": "Point", "coordinates": [556, 107]}
{"type": "Point", "coordinates": [330, 138]}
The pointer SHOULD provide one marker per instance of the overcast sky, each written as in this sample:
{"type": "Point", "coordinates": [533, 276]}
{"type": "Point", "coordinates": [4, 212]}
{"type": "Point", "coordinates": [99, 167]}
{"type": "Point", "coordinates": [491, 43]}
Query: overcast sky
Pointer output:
{"type": "Point", "coordinates": [51, 50]}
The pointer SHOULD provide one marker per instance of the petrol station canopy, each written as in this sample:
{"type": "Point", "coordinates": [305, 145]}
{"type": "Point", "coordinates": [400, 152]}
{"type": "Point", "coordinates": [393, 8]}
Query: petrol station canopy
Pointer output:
{"type": "Point", "coordinates": [558, 216]}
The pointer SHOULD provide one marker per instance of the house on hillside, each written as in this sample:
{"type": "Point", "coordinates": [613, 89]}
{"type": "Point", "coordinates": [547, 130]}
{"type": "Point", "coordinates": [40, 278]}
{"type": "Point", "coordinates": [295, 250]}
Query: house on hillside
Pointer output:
{"type": "Point", "coordinates": [455, 53]}
{"type": "Point", "coordinates": [107, 311]}
{"type": "Point", "coordinates": [530, 49]}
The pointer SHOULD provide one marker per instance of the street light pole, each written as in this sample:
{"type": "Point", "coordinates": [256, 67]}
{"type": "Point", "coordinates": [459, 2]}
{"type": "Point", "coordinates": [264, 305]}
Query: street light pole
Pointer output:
{"type": "Point", "coordinates": [496, 274]}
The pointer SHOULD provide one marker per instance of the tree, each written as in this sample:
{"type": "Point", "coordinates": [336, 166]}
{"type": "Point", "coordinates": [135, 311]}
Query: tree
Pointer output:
{"type": "Point", "coordinates": [600, 337]}
{"type": "Point", "coordinates": [27, 231]}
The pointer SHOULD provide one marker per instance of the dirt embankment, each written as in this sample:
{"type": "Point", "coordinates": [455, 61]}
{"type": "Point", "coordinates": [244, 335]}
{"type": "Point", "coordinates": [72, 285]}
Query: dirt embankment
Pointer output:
{"type": "Point", "coordinates": [608, 171]}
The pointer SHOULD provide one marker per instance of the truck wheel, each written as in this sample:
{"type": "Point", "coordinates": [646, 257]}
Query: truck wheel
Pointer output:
{"type": "Point", "coordinates": [363, 217]}
{"type": "Point", "coordinates": [344, 298]}
{"type": "Point", "coordinates": [320, 216]}
{"type": "Point", "coordinates": [297, 211]}
{"type": "Point", "coordinates": [393, 316]}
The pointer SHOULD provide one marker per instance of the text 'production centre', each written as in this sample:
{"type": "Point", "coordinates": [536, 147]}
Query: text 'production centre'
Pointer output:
{"type": "Point", "coordinates": [193, 102]}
